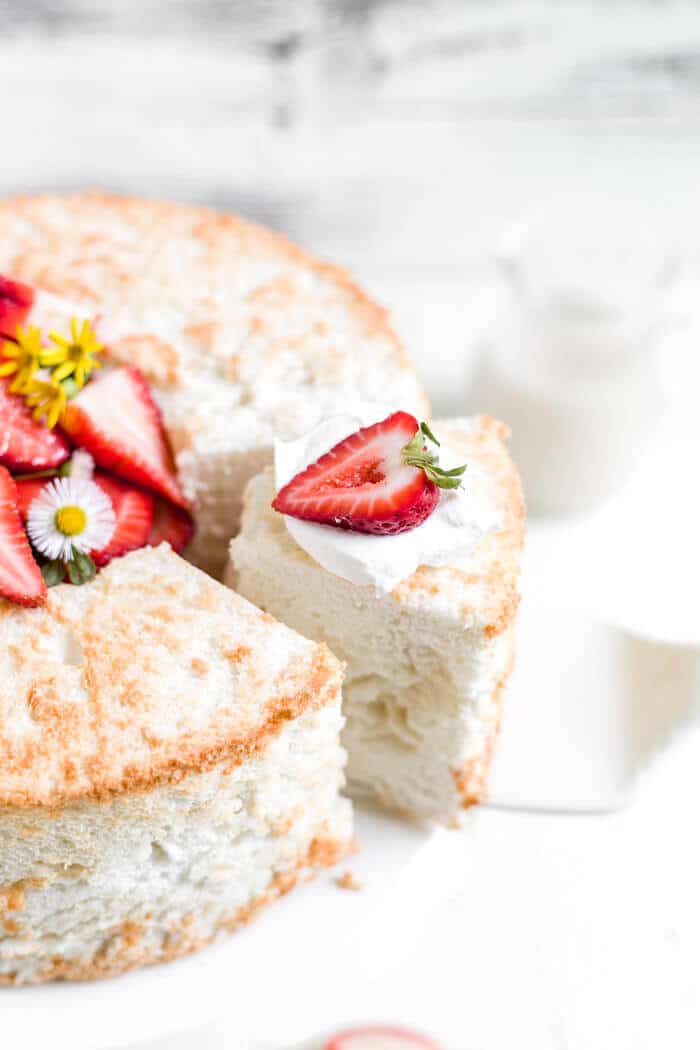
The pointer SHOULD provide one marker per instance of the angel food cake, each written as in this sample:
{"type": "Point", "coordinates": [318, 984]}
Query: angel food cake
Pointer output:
{"type": "Point", "coordinates": [241, 336]}
{"type": "Point", "coordinates": [171, 755]}
{"type": "Point", "coordinates": [419, 601]}
{"type": "Point", "coordinates": [170, 764]}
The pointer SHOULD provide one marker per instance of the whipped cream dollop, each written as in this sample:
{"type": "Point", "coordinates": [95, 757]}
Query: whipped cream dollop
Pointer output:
{"type": "Point", "coordinates": [459, 522]}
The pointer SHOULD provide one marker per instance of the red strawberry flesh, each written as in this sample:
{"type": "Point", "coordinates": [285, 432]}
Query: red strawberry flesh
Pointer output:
{"type": "Point", "coordinates": [26, 445]}
{"type": "Point", "coordinates": [20, 577]}
{"type": "Point", "coordinates": [363, 483]}
{"type": "Point", "coordinates": [16, 300]}
{"type": "Point", "coordinates": [117, 421]}
{"type": "Point", "coordinates": [27, 491]}
{"type": "Point", "coordinates": [133, 509]}
{"type": "Point", "coordinates": [171, 525]}
{"type": "Point", "coordinates": [380, 1037]}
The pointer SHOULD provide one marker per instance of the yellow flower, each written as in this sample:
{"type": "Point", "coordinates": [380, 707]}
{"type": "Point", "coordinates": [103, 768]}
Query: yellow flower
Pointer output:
{"type": "Point", "coordinates": [48, 399]}
{"type": "Point", "coordinates": [23, 358]}
{"type": "Point", "coordinates": [75, 356]}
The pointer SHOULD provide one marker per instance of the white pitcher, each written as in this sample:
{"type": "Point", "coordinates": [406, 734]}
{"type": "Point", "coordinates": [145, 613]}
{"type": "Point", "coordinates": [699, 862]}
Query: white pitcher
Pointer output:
{"type": "Point", "coordinates": [572, 362]}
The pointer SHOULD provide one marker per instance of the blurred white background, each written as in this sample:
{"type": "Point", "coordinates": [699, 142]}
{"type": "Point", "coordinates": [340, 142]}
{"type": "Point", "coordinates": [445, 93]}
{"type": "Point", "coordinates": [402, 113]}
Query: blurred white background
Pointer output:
{"type": "Point", "coordinates": [400, 137]}
{"type": "Point", "coordinates": [404, 139]}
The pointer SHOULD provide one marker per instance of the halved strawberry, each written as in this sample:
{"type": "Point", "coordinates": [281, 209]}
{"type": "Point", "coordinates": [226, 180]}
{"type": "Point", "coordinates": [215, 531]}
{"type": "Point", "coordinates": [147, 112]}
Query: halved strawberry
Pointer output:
{"type": "Point", "coordinates": [26, 445]}
{"type": "Point", "coordinates": [171, 525]}
{"type": "Point", "coordinates": [134, 510]}
{"type": "Point", "coordinates": [382, 479]}
{"type": "Point", "coordinates": [16, 300]}
{"type": "Point", "coordinates": [20, 576]}
{"type": "Point", "coordinates": [27, 491]}
{"type": "Point", "coordinates": [117, 421]}
{"type": "Point", "coordinates": [380, 1037]}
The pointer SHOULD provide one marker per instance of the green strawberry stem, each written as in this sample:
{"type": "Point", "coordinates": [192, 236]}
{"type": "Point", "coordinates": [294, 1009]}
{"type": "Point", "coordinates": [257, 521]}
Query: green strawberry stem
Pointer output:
{"type": "Point", "coordinates": [55, 472]}
{"type": "Point", "coordinates": [37, 475]}
{"type": "Point", "coordinates": [417, 454]}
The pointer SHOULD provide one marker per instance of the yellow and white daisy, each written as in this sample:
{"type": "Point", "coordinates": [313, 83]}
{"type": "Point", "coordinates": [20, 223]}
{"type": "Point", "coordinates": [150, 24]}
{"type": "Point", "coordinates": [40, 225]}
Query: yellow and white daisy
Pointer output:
{"type": "Point", "coordinates": [70, 515]}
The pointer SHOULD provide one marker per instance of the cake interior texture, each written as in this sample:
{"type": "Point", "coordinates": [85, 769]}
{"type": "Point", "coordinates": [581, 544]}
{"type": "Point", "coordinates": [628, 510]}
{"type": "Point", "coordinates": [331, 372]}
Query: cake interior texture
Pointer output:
{"type": "Point", "coordinates": [241, 335]}
{"type": "Point", "coordinates": [169, 766]}
{"type": "Point", "coordinates": [427, 664]}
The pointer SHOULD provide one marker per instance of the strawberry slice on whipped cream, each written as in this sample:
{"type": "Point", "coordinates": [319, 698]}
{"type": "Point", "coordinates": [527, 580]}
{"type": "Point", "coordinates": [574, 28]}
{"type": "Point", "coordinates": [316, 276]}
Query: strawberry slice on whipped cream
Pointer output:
{"type": "Point", "coordinates": [383, 480]}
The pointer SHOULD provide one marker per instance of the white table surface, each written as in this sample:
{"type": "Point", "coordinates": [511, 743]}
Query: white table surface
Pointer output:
{"type": "Point", "coordinates": [402, 144]}
{"type": "Point", "coordinates": [569, 932]}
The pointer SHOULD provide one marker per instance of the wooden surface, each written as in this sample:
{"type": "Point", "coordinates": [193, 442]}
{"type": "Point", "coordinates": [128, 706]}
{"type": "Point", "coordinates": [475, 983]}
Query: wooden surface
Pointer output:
{"type": "Point", "coordinates": [402, 139]}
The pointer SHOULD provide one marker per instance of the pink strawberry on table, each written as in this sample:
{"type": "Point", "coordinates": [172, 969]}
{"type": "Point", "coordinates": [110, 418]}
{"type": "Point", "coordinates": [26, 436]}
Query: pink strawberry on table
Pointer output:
{"type": "Point", "coordinates": [117, 421]}
{"type": "Point", "coordinates": [20, 577]}
{"type": "Point", "coordinates": [16, 300]}
{"type": "Point", "coordinates": [26, 445]}
{"type": "Point", "coordinates": [382, 480]}
{"type": "Point", "coordinates": [379, 1037]}
{"type": "Point", "coordinates": [171, 525]}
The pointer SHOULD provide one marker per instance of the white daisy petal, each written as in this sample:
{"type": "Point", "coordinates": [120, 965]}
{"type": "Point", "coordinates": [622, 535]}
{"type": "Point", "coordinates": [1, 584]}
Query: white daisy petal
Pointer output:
{"type": "Point", "coordinates": [72, 491]}
{"type": "Point", "coordinates": [82, 465]}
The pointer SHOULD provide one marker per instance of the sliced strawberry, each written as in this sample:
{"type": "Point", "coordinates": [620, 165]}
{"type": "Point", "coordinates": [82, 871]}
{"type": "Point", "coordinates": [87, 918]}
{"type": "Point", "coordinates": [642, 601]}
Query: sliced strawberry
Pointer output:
{"type": "Point", "coordinates": [16, 300]}
{"type": "Point", "coordinates": [117, 421]}
{"type": "Point", "coordinates": [20, 576]}
{"type": "Point", "coordinates": [380, 1037]}
{"type": "Point", "coordinates": [381, 479]}
{"type": "Point", "coordinates": [171, 525]}
{"type": "Point", "coordinates": [134, 509]}
{"type": "Point", "coordinates": [26, 445]}
{"type": "Point", "coordinates": [27, 491]}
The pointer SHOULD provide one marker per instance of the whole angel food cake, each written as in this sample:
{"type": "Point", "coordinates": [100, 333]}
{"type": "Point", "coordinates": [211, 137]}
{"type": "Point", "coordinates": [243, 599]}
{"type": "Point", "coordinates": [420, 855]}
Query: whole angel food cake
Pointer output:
{"type": "Point", "coordinates": [241, 336]}
{"type": "Point", "coordinates": [169, 763]}
{"type": "Point", "coordinates": [399, 546]}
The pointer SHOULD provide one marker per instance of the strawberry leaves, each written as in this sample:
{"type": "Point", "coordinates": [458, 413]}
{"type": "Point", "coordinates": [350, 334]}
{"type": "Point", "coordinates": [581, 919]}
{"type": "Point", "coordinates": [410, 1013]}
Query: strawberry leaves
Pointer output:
{"type": "Point", "coordinates": [417, 454]}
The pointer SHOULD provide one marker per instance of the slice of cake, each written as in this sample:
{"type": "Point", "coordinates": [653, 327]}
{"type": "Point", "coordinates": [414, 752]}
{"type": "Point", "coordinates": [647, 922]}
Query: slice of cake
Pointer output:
{"type": "Point", "coordinates": [169, 763]}
{"type": "Point", "coordinates": [429, 647]}
{"type": "Point", "coordinates": [241, 335]}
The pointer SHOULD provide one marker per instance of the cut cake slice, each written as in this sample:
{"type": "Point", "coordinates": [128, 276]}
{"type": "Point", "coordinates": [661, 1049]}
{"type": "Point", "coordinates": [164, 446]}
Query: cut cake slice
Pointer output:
{"type": "Point", "coordinates": [427, 663]}
{"type": "Point", "coordinates": [169, 763]}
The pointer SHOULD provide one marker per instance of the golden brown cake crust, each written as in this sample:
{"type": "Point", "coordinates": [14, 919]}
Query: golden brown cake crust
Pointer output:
{"type": "Point", "coordinates": [494, 569]}
{"type": "Point", "coordinates": [124, 951]}
{"type": "Point", "coordinates": [128, 709]}
{"type": "Point", "coordinates": [472, 780]}
{"type": "Point", "coordinates": [94, 258]}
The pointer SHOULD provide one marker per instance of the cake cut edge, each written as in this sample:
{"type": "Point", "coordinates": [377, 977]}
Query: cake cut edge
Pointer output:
{"type": "Point", "coordinates": [124, 954]}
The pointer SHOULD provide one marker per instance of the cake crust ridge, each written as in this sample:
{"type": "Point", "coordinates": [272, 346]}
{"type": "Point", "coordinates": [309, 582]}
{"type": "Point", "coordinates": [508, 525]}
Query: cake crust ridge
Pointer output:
{"type": "Point", "coordinates": [86, 710]}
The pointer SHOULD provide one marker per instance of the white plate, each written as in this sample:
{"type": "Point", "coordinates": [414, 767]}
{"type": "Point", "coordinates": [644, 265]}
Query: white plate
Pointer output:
{"type": "Point", "coordinates": [254, 976]}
